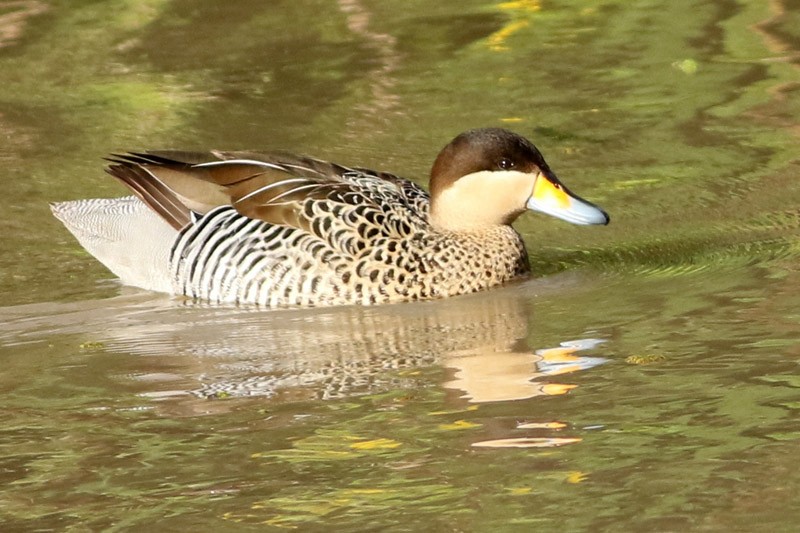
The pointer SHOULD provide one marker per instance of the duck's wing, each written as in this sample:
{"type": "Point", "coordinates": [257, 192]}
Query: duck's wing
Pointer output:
{"type": "Point", "coordinates": [277, 188]}
{"type": "Point", "coordinates": [417, 197]}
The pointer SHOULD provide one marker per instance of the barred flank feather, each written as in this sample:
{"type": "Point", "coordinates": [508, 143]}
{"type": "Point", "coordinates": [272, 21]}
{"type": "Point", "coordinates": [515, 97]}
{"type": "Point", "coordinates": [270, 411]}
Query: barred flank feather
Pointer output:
{"type": "Point", "coordinates": [227, 257]}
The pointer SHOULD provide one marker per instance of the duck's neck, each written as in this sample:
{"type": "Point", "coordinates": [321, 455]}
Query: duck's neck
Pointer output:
{"type": "Point", "coordinates": [460, 221]}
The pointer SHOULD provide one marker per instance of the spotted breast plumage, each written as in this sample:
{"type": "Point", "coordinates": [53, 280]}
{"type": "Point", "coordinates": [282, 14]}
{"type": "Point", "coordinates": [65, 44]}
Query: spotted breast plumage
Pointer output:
{"type": "Point", "coordinates": [281, 230]}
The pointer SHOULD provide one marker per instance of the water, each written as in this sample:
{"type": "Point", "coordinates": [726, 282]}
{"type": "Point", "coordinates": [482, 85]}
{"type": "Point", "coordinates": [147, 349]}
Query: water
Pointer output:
{"type": "Point", "coordinates": [644, 380]}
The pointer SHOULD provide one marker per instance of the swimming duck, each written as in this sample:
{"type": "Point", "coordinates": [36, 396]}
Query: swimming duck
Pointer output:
{"type": "Point", "coordinates": [282, 230]}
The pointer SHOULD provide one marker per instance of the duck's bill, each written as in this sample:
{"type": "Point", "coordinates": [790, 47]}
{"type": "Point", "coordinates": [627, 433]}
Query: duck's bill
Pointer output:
{"type": "Point", "coordinates": [552, 198]}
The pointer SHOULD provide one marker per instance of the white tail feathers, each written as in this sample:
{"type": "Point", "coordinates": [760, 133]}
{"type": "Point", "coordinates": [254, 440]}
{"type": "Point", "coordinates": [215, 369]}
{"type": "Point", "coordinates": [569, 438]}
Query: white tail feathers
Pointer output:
{"type": "Point", "coordinates": [125, 235]}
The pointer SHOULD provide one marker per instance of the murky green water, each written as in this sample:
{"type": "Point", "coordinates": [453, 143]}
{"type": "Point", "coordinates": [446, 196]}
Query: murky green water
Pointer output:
{"type": "Point", "coordinates": [677, 407]}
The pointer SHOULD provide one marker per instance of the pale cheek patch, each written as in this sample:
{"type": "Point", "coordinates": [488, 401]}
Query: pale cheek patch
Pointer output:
{"type": "Point", "coordinates": [496, 183]}
{"type": "Point", "coordinates": [483, 198]}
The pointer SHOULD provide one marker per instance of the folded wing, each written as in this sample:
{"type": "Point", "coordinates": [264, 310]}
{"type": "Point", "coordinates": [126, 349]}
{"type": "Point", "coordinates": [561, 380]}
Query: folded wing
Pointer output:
{"type": "Point", "coordinates": [276, 188]}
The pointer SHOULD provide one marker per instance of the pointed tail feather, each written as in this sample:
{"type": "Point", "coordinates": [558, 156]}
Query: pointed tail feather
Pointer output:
{"type": "Point", "coordinates": [152, 192]}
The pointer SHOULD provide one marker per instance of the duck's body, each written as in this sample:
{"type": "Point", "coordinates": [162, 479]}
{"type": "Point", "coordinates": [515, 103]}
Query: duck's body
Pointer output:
{"type": "Point", "coordinates": [280, 230]}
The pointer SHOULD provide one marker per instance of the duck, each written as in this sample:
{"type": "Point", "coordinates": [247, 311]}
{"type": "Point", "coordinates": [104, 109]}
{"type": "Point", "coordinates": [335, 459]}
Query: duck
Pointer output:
{"type": "Point", "coordinates": [280, 230]}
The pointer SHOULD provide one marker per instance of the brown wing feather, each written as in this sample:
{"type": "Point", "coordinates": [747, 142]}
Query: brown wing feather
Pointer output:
{"type": "Point", "coordinates": [153, 193]}
{"type": "Point", "coordinates": [272, 187]}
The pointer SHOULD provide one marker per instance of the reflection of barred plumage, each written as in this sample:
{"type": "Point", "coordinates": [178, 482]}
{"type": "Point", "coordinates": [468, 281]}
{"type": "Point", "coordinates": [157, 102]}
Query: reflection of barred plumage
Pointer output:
{"type": "Point", "coordinates": [278, 230]}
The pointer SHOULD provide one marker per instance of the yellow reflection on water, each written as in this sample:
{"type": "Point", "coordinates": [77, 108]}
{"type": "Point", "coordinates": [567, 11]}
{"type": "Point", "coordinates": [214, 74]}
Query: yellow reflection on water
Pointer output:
{"type": "Point", "coordinates": [526, 442]}
{"type": "Point", "coordinates": [485, 375]}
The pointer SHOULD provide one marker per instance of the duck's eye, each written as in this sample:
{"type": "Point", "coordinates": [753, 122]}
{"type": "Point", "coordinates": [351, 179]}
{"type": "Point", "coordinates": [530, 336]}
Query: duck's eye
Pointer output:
{"type": "Point", "coordinates": [505, 164]}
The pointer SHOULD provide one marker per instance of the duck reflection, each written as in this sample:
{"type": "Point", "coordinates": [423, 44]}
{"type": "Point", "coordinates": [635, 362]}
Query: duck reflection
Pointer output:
{"type": "Point", "coordinates": [218, 352]}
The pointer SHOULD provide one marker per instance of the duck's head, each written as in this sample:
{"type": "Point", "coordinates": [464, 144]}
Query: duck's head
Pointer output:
{"type": "Point", "coordinates": [489, 176]}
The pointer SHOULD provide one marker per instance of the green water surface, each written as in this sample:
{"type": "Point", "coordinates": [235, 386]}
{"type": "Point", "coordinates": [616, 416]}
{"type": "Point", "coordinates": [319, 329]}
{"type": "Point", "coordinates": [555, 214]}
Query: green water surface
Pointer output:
{"type": "Point", "coordinates": [645, 379]}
